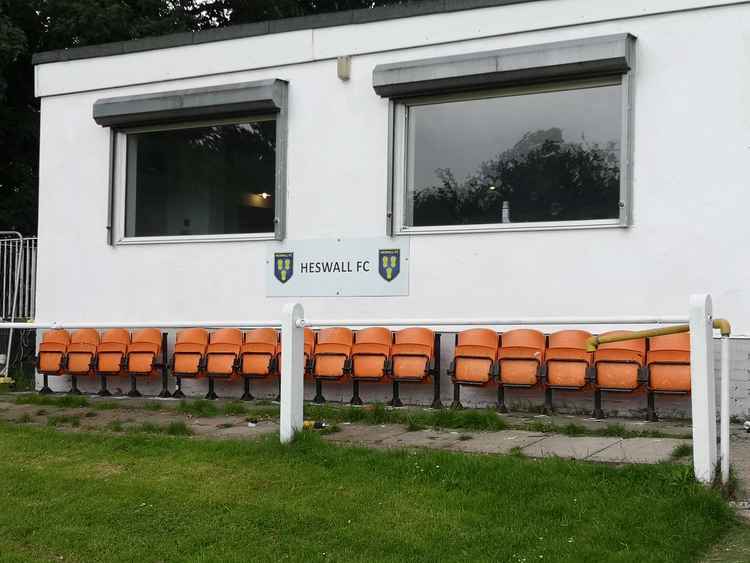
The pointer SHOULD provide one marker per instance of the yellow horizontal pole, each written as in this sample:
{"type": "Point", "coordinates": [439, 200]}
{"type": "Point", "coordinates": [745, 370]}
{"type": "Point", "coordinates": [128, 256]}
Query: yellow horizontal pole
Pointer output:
{"type": "Point", "coordinates": [594, 341]}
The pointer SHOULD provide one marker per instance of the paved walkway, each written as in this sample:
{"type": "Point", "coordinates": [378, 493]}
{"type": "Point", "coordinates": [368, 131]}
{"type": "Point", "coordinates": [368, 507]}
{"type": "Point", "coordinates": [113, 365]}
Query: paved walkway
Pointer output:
{"type": "Point", "coordinates": [531, 444]}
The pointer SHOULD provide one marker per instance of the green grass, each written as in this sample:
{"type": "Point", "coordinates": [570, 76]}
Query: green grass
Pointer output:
{"type": "Point", "coordinates": [106, 405]}
{"type": "Point", "coordinates": [64, 401]}
{"type": "Point", "coordinates": [682, 451]}
{"type": "Point", "coordinates": [176, 428]}
{"type": "Point", "coordinates": [115, 426]}
{"type": "Point", "coordinates": [200, 408]}
{"type": "Point", "coordinates": [148, 497]}
{"type": "Point", "coordinates": [64, 420]}
{"type": "Point", "coordinates": [151, 406]}
{"type": "Point", "coordinates": [235, 409]}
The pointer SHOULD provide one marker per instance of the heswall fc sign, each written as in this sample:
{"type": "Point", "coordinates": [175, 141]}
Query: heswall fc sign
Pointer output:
{"type": "Point", "coordinates": [336, 267]}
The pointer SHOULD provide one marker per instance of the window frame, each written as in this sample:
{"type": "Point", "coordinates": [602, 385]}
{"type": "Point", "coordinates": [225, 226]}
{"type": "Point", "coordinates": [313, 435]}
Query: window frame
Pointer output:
{"type": "Point", "coordinates": [400, 155]}
{"type": "Point", "coordinates": [120, 167]}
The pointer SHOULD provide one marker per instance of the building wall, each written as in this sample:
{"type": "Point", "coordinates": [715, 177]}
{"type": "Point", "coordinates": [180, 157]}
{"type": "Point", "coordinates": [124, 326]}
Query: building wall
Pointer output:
{"type": "Point", "coordinates": [690, 155]}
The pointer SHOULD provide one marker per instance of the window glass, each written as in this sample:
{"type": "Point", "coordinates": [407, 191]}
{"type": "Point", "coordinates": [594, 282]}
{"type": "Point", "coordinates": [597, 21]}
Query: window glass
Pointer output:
{"type": "Point", "coordinates": [208, 180]}
{"type": "Point", "coordinates": [539, 156]}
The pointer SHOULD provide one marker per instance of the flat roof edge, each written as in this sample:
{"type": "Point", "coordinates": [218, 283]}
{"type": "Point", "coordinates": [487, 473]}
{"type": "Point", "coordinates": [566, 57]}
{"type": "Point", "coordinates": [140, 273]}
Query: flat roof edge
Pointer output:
{"type": "Point", "coordinates": [301, 23]}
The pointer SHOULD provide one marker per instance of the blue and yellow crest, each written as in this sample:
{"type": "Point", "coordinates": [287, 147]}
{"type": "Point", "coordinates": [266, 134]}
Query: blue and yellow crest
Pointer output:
{"type": "Point", "coordinates": [389, 263]}
{"type": "Point", "coordinates": [283, 266]}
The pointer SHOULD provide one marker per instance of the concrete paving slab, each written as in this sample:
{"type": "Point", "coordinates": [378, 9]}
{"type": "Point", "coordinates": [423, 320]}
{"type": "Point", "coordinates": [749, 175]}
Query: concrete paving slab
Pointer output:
{"type": "Point", "coordinates": [423, 439]}
{"type": "Point", "coordinates": [496, 442]}
{"type": "Point", "coordinates": [639, 450]}
{"type": "Point", "coordinates": [568, 446]}
{"type": "Point", "coordinates": [365, 434]}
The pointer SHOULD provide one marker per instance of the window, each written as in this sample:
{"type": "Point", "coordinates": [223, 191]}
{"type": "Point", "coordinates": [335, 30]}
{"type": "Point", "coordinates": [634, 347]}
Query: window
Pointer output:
{"type": "Point", "coordinates": [531, 156]}
{"type": "Point", "coordinates": [209, 179]}
{"type": "Point", "coordinates": [206, 164]}
{"type": "Point", "coordinates": [532, 147]}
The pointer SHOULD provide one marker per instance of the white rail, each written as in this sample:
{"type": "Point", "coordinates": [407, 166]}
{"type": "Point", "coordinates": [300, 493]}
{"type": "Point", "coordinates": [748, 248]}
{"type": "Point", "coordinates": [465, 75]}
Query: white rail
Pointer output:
{"type": "Point", "coordinates": [500, 321]}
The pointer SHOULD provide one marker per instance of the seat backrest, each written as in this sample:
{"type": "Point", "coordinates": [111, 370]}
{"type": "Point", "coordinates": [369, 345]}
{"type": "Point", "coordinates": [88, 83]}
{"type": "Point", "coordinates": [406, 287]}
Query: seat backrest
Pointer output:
{"type": "Point", "coordinates": [227, 336]}
{"type": "Point", "coordinates": [57, 335]}
{"type": "Point", "coordinates": [374, 335]}
{"type": "Point", "coordinates": [523, 338]}
{"type": "Point", "coordinates": [575, 339]}
{"type": "Point", "coordinates": [309, 341]}
{"type": "Point", "coordinates": [478, 337]}
{"type": "Point", "coordinates": [336, 335]}
{"type": "Point", "coordinates": [148, 335]}
{"type": "Point", "coordinates": [116, 336]}
{"type": "Point", "coordinates": [637, 345]}
{"type": "Point", "coordinates": [680, 341]}
{"type": "Point", "coordinates": [85, 336]}
{"type": "Point", "coordinates": [192, 336]}
{"type": "Point", "coordinates": [263, 336]}
{"type": "Point", "coordinates": [415, 335]}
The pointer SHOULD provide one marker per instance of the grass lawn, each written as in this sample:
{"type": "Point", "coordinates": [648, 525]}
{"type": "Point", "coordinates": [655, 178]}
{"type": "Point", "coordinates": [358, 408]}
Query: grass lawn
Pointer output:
{"type": "Point", "coordinates": [89, 496]}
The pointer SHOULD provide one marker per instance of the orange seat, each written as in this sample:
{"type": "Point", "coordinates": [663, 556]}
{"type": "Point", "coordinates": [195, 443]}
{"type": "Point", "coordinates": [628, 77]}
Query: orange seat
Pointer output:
{"type": "Point", "coordinates": [259, 353]}
{"type": "Point", "coordinates": [520, 357]}
{"type": "Point", "coordinates": [332, 353]}
{"type": "Point", "coordinates": [223, 352]}
{"type": "Point", "coordinates": [618, 364]}
{"type": "Point", "coordinates": [52, 350]}
{"type": "Point", "coordinates": [370, 353]}
{"type": "Point", "coordinates": [308, 350]}
{"type": "Point", "coordinates": [474, 357]}
{"type": "Point", "coordinates": [110, 354]}
{"type": "Point", "coordinates": [567, 360]}
{"type": "Point", "coordinates": [142, 351]}
{"type": "Point", "coordinates": [668, 361]}
{"type": "Point", "coordinates": [412, 354]}
{"type": "Point", "coordinates": [82, 351]}
{"type": "Point", "coordinates": [189, 352]}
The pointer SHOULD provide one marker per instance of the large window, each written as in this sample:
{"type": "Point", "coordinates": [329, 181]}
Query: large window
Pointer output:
{"type": "Point", "coordinates": [517, 157]}
{"type": "Point", "coordinates": [524, 138]}
{"type": "Point", "coordinates": [209, 179]}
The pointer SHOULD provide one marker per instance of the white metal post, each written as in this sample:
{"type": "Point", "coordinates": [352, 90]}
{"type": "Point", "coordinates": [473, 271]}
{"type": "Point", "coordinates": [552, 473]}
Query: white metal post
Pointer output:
{"type": "Point", "coordinates": [703, 387]}
{"type": "Point", "coordinates": [725, 399]}
{"type": "Point", "coordinates": [292, 371]}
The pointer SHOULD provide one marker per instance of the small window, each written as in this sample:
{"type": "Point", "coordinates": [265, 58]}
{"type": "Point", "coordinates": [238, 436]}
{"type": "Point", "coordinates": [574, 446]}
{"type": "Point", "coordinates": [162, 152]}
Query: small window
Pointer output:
{"type": "Point", "coordinates": [201, 180]}
{"type": "Point", "coordinates": [524, 157]}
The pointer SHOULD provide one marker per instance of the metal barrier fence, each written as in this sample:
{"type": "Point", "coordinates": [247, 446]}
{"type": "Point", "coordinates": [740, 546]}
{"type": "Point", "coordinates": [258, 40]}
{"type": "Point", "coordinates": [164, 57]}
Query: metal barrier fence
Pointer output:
{"type": "Point", "coordinates": [17, 265]}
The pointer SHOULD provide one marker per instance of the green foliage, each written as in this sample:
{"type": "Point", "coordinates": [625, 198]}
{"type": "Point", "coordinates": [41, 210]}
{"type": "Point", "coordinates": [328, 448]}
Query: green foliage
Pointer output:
{"type": "Point", "coordinates": [64, 401]}
{"type": "Point", "coordinates": [235, 409]}
{"type": "Point", "coordinates": [64, 420]}
{"type": "Point", "coordinates": [304, 501]}
{"type": "Point", "coordinates": [200, 408]}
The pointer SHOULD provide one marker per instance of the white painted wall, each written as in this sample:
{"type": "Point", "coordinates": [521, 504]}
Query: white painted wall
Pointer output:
{"type": "Point", "coordinates": [692, 133]}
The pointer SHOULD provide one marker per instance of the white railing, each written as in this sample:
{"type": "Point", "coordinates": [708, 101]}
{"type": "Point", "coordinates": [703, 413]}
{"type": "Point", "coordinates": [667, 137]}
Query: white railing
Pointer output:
{"type": "Point", "coordinates": [17, 277]}
{"type": "Point", "coordinates": [292, 368]}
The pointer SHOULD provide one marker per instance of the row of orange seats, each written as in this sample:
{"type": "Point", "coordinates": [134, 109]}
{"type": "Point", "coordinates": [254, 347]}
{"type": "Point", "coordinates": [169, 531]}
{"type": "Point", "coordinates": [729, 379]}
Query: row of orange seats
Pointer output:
{"type": "Point", "coordinates": [331, 354]}
{"type": "Point", "coordinates": [516, 358]}
{"type": "Point", "coordinates": [526, 358]}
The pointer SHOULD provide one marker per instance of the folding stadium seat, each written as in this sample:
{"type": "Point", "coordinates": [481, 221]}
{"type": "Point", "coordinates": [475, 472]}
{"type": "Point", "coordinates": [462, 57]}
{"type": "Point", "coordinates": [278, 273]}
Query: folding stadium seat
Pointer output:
{"type": "Point", "coordinates": [370, 358]}
{"type": "Point", "coordinates": [668, 363]}
{"type": "Point", "coordinates": [619, 366]}
{"type": "Point", "coordinates": [189, 355]}
{"type": "Point", "coordinates": [259, 357]}
{"type": "Point", "coordinates": [473, 361]}
{"type": "Point", "coordinates": [141, 356]}
{"type": "Point", "coordinates": [81, 357]}
{"type": "Point", "coordinates": [51, 357]}
{"type": "Point", "coordinates": [568, 364]}
{"type": "Point", "coordinates": [331, 358]}
{"type": "Point", "coordinates": [520, 361]}
{"type": "Point", "coordinates": [111, 355]}
{"type": "Point", "coordinates": [412, 359]}
{"type": "Point", "coordinates": [222, 356]}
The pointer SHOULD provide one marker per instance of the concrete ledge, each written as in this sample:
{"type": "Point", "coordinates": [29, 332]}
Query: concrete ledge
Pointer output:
{"type": "Point", "coordinates": [263, 96]}
{"type": "Point", "coordinates": [315, 21]}
{"type": "Point", "coordinates": [579, 58]}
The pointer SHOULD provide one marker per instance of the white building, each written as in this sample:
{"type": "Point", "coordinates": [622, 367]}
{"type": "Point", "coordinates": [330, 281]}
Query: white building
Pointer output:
{"type": "Point", "coordinates": [592, 156]}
